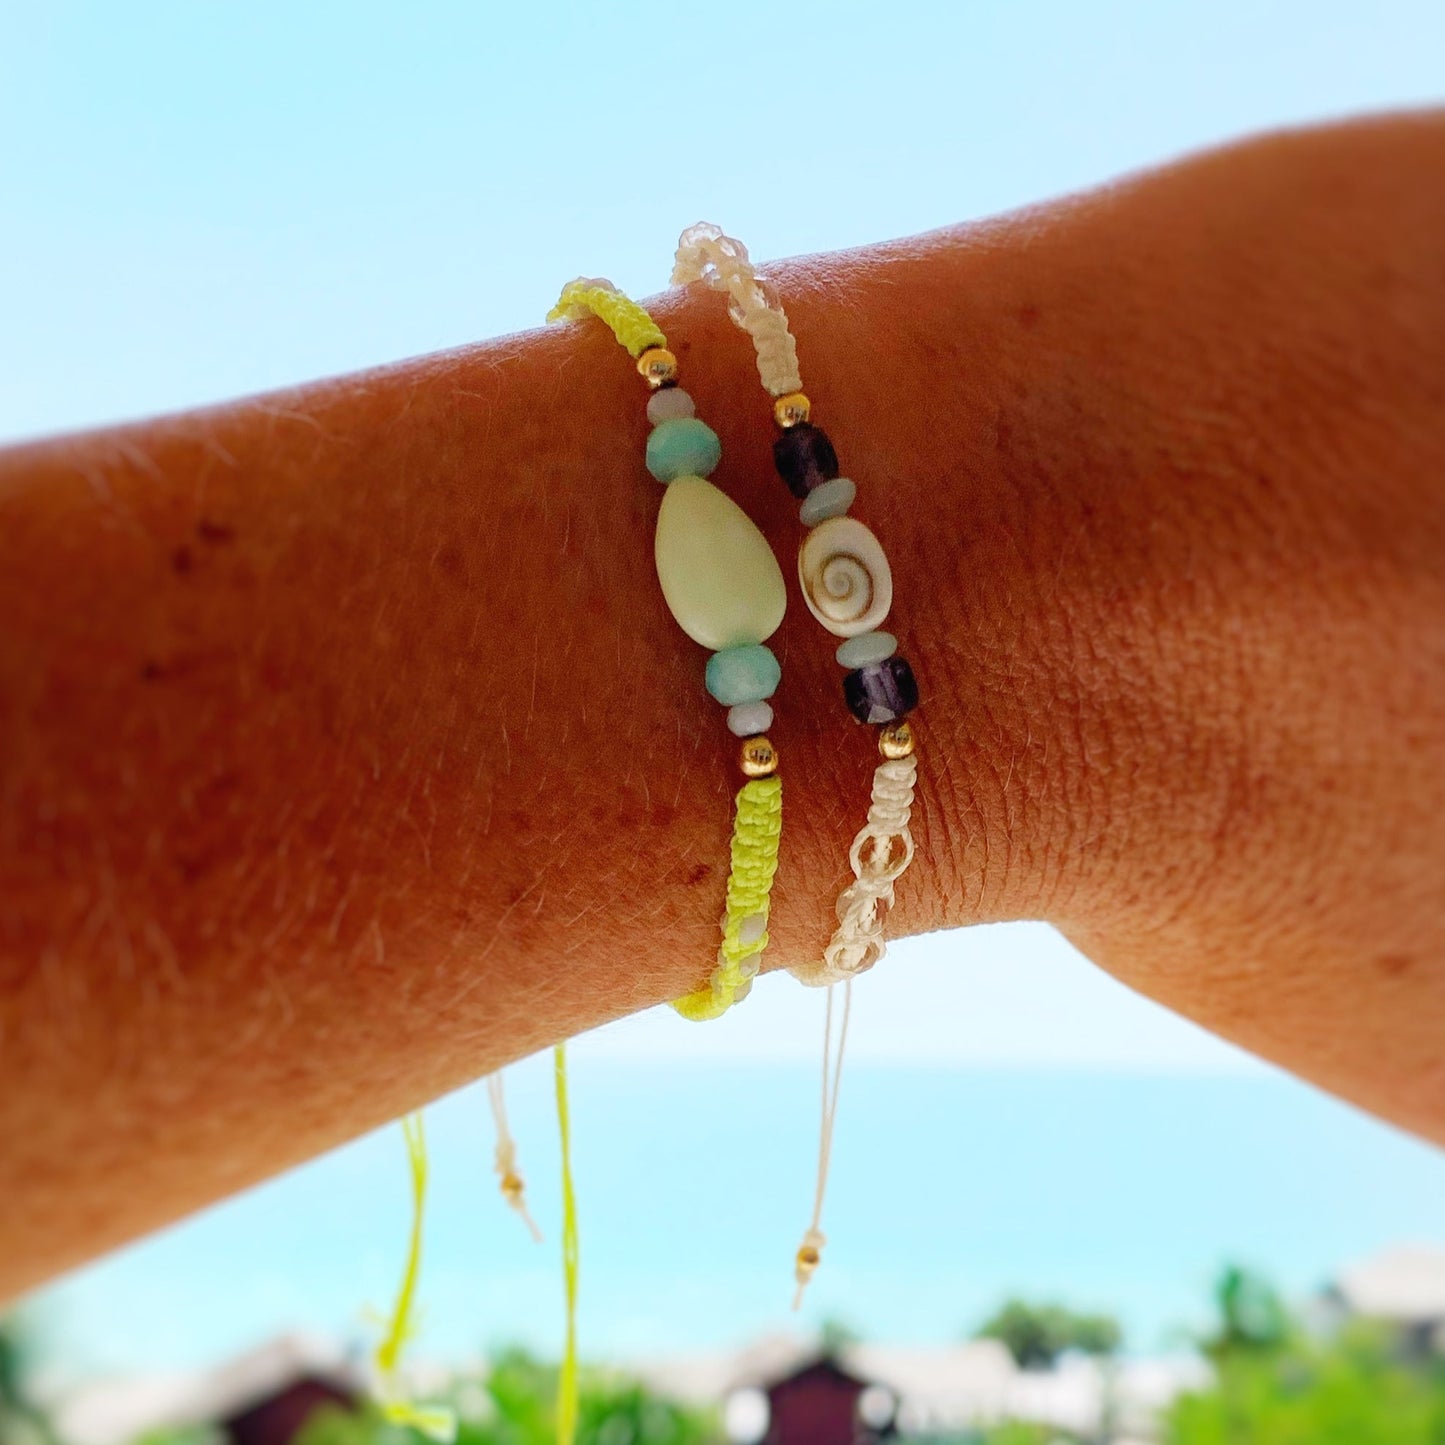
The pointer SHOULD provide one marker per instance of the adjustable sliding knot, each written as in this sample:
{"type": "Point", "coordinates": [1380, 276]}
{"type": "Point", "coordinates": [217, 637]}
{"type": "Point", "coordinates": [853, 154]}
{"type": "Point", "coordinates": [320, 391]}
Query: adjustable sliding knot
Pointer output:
{"type": "Point", "coordinates": [807, 1260]}
{"type": "Point", "coordinates": [881, 852]}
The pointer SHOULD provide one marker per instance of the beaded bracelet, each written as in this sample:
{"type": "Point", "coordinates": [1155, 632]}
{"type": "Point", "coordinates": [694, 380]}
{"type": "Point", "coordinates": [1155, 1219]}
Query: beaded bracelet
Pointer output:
{"type": "Point", "coordinates": [848, 586]}
{"type": "Point", "coordinates": [723, 585]}
{"type": "Point", "coordinates": [725, 589]}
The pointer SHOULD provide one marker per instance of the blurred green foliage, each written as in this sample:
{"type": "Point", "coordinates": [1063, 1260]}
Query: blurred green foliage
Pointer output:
{"type": "Point", "coordinates": [183, 1435]}
{"type": "Point", "coordinates": [515, 1406]}
{"type": "Point", "coordinates": [1010, 1432]}
{"type": "Point", "coordinates": [1275, 1384]}
{"type": "Point", "coordinates": [22, 1421]}
{"type": "Point", "coordinates": [1021, 1432]}
{"type": "Point", "coordinates": [1036, 1335]}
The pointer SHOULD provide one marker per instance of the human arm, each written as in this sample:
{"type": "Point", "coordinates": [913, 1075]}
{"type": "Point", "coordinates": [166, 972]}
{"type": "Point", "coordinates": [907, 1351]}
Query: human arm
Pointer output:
{"type": "Point", "coordinates": [347, 750]}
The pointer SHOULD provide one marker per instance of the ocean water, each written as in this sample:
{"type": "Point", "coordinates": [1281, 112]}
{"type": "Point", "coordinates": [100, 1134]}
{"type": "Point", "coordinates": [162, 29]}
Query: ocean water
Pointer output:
{"type": "Point", "coordinates": [952, 1189]}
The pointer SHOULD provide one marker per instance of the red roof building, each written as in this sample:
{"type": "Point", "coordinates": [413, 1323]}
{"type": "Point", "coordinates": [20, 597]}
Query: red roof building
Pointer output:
{"type": "Point", "coordinates": [820, 1405]}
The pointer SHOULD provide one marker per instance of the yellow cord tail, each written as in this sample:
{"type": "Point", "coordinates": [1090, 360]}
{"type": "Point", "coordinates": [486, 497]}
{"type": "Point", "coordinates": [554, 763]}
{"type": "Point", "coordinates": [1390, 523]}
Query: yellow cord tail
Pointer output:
{"type": "Point", "coordinates": [400, 1327]}
{"type": "Point", "coordinates": [757, 827]}
{"type": "Point", "coordinates": [628, 321]}
{"type": "Point", "coordinates": [567, 1377]}
{"type": "Point", "coordinates": [434, 1422]}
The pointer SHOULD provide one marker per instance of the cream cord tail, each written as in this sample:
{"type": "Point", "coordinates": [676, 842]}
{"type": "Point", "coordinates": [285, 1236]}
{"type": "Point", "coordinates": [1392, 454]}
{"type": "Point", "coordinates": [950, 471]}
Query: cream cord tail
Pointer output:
{"type": "Point", "coordinates": [505, 1157]}
{"type": "Point", "coordinates": [810, 1251]}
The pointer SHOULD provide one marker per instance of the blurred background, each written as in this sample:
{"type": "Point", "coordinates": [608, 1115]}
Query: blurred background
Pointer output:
{"type": "Point", "coordinates": [1157, 1236]}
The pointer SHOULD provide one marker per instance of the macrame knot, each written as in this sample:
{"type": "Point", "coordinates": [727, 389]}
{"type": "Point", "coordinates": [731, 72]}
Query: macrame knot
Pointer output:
{"type": "Point", "coordinates": [879, 856]}
{"type": "Point", "coordinates": [705, 254]}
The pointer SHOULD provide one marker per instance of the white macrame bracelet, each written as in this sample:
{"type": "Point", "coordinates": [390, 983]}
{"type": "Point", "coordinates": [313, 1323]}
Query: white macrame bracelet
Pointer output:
{"type": "Point", "coordinates": [848, 586]}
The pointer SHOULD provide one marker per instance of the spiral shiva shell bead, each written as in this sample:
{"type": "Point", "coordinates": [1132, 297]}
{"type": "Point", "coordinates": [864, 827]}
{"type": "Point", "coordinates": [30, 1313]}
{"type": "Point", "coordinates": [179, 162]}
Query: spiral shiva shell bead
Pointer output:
{"type": "Point", "coordinates": [845, 576]}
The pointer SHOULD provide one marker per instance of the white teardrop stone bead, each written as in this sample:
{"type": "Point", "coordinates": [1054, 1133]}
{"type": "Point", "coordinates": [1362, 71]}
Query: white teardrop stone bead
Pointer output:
{"type": "Point", "coordinates": [718, 574]}
{"type": "Point", "coordinates": [846, 580]}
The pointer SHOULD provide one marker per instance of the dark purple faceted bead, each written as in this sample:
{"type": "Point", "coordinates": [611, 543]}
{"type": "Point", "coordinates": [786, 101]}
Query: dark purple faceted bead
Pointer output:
{"type": "Point", "coordinates": [805, 458]}
{"type": "Point", "coordinates": [882, 692]}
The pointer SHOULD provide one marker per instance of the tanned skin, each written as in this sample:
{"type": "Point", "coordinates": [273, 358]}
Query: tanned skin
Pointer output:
{"type": "Point", "coordinates": [347, 750]}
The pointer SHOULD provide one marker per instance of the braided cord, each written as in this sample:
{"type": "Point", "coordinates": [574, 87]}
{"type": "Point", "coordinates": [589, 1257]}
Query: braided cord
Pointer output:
{"type": "Point", "coordinates": [757, 827]}
{"type": "Point", "coordinates": [628, 321]}
{"type": "Point", "coordinates": [705, 254]}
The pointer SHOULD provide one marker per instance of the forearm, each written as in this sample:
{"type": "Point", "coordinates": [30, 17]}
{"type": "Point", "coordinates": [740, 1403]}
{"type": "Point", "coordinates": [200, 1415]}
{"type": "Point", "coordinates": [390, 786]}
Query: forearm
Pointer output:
{"type": "Point", "coordinates": [349, 750]}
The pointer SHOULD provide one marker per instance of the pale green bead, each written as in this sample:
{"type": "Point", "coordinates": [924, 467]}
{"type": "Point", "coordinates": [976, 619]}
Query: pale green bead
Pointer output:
{"type": "Point", "coordinates": [866, 649]}
{"type": "Point", "coordinates": [718, 574]}
{"type": "Point", "coordinates": [682, 446]}
{"type": "Point", "coordinates": [743, 674]}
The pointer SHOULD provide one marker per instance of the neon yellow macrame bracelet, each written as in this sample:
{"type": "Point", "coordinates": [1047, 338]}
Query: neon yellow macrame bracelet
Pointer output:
{"type": "Point", "coordinates": [757, 827]}
{"type": "Point", "coordinates": [723, 585]}
{"type": "Point", "coordinates": [628, 322]}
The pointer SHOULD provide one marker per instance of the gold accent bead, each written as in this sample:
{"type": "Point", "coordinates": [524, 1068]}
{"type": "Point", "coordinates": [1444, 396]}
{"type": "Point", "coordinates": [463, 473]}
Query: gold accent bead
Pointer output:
{"type": "Point", "coordinates": [512, 1188]}
{"type": "Point", "coordinates": [792, 409]}
{"type": "Point", "coordinates": [808, 1259]}
{"type": "Point", "coordinates": [896, 740]}
{"type": "Point", "coordinates": [657, 366]}
{"type": "Point", "coordinates": [758, 758]}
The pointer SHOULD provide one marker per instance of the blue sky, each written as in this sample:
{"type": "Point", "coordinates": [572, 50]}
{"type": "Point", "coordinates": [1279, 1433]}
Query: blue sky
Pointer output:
{"type": "Point", "coordinates": [205, 200]}
{"type": "Point", "coordinates": [201, 201]}
{"type": "Point", "coordinates": [952, 1189]}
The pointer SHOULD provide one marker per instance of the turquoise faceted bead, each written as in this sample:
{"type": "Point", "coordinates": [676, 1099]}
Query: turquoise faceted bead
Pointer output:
{"type": "Point", "coordinates": [682, 446]}
{"type": "Point", "coordinates": [743, 674]}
